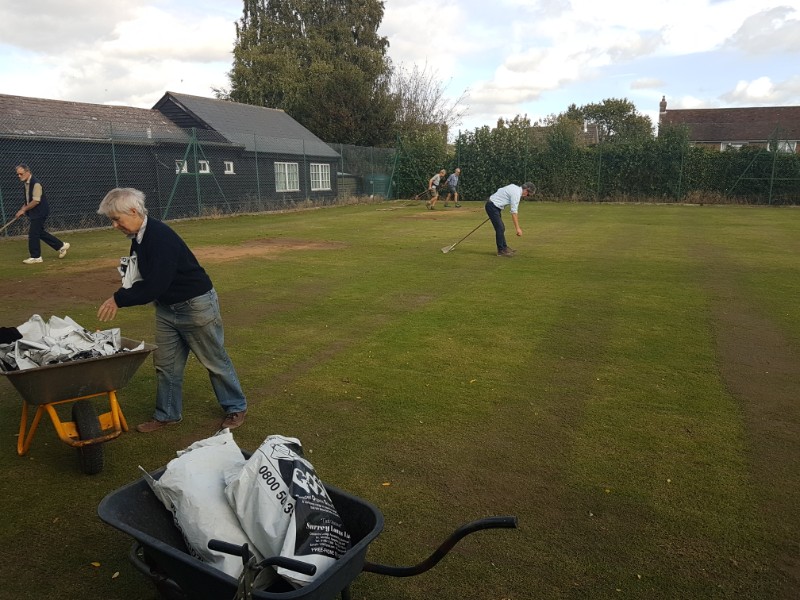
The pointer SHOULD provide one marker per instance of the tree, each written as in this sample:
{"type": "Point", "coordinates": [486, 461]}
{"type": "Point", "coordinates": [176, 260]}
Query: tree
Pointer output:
{"type": "Point", "coordinates": [421, 102]}
{"type": "Point", "coordinates": [617, 120]}
{"type": "Point", "coordinates": [321, 61]}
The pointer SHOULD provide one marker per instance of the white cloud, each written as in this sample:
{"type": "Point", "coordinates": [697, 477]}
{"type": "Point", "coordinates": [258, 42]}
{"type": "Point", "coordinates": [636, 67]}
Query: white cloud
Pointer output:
{"type": "Point", "coordinates": [154, 34]}
{"type": "Point", "coordinates": [46, 26]}
{"type": "Point", "coordinates": [513, 56]}
{"type": "Point", "coordinates": [764, 92]}
{"type": "Point", "coordinates": [770, 31]}
{"type": "Point", "coordinates": [139, 52]}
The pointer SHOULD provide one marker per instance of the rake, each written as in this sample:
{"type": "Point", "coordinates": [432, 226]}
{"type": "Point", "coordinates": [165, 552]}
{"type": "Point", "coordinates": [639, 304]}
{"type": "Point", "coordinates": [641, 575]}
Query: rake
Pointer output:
{"type": "Point", "coordinates": [447, 249]}
{"type": "Point", "coordinates": [2, 229]}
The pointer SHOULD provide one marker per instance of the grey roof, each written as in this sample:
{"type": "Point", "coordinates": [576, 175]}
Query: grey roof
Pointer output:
{"type": "Point", "coordinates": [20, 115]}
{"type": "Point", "coordinates": [255, 127]}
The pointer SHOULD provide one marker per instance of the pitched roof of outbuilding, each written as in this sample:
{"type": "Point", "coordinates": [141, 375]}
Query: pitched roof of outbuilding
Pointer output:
{"type": "Point", "coordinates": [255, 127]}
{"type": "Point", "coordinates": [754, 124]}
{"type": "Point", "coordinates": [40, 117]}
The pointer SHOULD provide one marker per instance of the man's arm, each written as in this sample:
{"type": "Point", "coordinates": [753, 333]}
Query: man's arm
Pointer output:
{"type": "Point", "coordinates": [515, 218]}
{"type": "Point", "coordinates": [36, 197]}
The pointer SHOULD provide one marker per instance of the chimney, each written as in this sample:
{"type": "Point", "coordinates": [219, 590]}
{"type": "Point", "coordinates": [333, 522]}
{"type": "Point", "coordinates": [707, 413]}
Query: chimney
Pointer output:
{"type": "Point", "coordinates": [662, 106]}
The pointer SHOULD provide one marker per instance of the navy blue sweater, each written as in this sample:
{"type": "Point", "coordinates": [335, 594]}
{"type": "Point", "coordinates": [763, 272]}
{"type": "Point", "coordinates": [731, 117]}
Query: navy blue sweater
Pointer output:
{"type": "Point", "coordinates": [170, 272]}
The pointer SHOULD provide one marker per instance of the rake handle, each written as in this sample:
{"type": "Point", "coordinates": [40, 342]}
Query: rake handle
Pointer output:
{"type": "Point", "coordinates": [8, 224]}
{"type": "Point", "coordinates": [469, 234]}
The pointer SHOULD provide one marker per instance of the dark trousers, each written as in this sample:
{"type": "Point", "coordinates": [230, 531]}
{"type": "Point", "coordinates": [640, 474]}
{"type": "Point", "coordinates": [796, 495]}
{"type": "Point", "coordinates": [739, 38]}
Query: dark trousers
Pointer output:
{"type": "Point", "coordinates": [496, 217]}
{"type": "Point", "coordinates": [37, 233]}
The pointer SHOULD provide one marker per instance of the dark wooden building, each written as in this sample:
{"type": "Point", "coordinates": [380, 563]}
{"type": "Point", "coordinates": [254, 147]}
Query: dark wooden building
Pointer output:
{"type": "Point", "coordinates": [190, 155]}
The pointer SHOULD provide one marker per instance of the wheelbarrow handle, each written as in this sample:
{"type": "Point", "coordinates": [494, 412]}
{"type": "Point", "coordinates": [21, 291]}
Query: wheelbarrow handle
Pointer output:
{"type": "Point", "coordinates": [275, 561]}
{"type": "Point", "coordinates": [509, 522]}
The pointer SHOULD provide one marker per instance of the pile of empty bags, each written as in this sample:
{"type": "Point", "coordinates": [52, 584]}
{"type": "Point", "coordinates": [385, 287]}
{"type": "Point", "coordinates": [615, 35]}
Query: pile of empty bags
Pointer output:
{"type": "Point", "coordinates": [57, 340]}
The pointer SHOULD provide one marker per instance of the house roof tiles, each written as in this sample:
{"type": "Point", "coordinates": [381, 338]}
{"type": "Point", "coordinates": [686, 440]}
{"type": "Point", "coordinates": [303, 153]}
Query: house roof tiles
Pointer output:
{"type": "Point", "coordinates": [755, 124]}
{"type": "Point", "coordinates": [79, 120]}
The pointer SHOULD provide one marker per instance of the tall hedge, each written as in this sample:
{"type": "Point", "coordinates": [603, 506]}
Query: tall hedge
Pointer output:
{"type": "Point", "coordinates": [666, 168]}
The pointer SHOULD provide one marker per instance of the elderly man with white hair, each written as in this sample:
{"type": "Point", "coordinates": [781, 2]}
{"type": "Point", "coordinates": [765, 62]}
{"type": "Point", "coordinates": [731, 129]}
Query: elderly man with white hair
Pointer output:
{"type": "Point", "coordinates": [163, 270]}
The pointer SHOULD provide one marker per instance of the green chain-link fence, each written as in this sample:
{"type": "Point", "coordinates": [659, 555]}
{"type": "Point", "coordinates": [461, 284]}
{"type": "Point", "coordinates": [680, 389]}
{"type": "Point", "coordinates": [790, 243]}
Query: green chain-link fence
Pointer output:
{"type": "Point", "coordinates": [184, 173]}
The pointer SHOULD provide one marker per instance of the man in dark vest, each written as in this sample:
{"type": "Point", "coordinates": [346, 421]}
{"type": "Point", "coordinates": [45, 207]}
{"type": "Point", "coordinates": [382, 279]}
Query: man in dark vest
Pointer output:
{"type": "Point", "coordinates": [36, 209]}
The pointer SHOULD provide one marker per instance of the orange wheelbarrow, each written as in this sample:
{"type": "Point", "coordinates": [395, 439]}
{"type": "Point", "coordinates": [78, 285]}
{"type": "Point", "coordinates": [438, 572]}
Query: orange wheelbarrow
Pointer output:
{"type": "Point", "coordinates": [77, 382]}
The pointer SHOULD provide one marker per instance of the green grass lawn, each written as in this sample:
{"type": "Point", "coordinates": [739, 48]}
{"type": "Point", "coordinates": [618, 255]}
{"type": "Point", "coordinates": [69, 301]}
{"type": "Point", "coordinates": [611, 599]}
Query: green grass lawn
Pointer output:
{"type": "Point", "coordinates": [626, 385]}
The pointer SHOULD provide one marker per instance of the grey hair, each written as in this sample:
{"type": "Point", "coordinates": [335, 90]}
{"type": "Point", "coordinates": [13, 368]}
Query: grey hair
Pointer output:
{"type": "Point", "coordinates": [120, 201]}
{"type": "Point", "coordinates": [530, 187]}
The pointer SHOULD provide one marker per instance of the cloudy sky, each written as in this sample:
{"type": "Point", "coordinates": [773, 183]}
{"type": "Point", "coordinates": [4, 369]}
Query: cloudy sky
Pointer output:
{"type": "Point", "coordinates": [510, 57]}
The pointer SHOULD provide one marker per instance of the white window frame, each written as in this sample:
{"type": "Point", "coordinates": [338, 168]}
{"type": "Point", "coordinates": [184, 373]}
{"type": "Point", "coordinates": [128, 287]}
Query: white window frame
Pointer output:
{"type": "Point", "coordinates": [229, 168]}
{"type": "Point", "coordinates": [287, 177]}
{"type": "Point", "coordinates": [181, 166]}
{"type": "Point", "coordinates": [787, 146]}
{"type": "Point", "coordinates": [320, 177]}
{"type": "Point", "coordinates": [203, 166]}
{"type": "Point", "coordinates": [732, 145]}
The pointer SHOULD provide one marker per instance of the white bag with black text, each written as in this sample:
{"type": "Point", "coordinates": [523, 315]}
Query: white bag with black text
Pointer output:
{"type": "Point", "coordinates": [284, 508]}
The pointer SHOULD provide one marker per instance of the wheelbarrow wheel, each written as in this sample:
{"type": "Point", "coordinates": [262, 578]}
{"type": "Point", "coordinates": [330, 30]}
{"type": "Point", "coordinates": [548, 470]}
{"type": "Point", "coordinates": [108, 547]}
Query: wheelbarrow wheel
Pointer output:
{"type": "Point", "coordinates": [88, 426]}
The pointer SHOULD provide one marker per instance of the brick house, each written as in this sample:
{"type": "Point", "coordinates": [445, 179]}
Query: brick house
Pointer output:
{"type": "Point", "coordinates": [729, 128]}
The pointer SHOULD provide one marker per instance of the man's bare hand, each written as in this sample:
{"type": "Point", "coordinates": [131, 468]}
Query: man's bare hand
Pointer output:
{"type": "Point", "coordinates": [108, 310]}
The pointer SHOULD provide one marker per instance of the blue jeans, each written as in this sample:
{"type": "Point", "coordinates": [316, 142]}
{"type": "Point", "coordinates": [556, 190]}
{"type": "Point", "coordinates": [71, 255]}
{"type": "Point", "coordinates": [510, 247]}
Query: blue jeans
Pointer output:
{"type": "Point", "coordinates": [36, 233]}
{"type": "Point", "coordinates": [194, 325]}
{"type": "Point", "coordinates": [495, 216]}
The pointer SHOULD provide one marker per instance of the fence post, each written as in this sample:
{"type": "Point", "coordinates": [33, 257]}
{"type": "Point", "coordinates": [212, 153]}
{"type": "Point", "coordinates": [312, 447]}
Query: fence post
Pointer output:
{"type": "Point", "coordinates": [258, 178]}
{"type": "Point", "coordinates": [3, 211]}
{"type": "Point", "coordinates": [306, 172]}
{"type": "Point", "coordinates": [113, 153]}
{"type": "Point", "coordinates": [772, 175]}
{"type": "Point", "coordinates": [599, 171]}
{"type": "Point", "coordinates": [196, 172]}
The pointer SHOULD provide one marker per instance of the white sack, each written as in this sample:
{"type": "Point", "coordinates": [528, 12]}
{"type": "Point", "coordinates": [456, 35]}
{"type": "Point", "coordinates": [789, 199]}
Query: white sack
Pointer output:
{"type": "Point", "coordinates": [193, 490]}
{"type": "Point", "coordinates": [284, 508]}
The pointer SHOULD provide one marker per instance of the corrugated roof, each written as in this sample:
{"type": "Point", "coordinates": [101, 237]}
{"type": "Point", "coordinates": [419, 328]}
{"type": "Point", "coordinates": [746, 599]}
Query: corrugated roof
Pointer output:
{"type": "Point", "coordinates": [255, 127]}
{"type": "Point", "coordinates": [20, 115]}
{"type": "Point", "coordinates": [754, 124]}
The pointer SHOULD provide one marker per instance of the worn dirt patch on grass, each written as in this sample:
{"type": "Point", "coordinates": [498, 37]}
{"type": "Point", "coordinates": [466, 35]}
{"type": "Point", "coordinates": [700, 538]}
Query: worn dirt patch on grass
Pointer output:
{"type": "Point", "coordinates": [91, 281]}
{"type": "Point", "coordinates": [761, 369]}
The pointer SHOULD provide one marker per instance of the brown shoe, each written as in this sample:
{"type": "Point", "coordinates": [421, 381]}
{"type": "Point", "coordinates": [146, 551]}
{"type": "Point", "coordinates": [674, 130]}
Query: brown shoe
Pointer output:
{"type": "Point", "coordinates": [154, 425]}
{"type": "Point", "coordinates": [233, 420]}
{"type": "Point", "coordinates": [506, 252]}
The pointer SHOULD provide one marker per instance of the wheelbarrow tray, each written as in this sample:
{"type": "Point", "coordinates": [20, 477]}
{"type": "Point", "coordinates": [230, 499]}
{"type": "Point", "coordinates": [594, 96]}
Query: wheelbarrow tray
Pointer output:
{"type": "Point", "coordinates": [79, 378]}
{"type": "Point", "coordinates": [135, 510]}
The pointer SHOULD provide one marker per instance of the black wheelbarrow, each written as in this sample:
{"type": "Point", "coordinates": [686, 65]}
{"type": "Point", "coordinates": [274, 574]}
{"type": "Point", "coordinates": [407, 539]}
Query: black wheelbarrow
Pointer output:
{"type": "Point", "coordinates": [78, 382]}
{"type": "Point", "coordinates": [160, 553]}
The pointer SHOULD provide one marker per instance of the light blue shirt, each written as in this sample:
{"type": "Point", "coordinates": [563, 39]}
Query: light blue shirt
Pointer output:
{"type": "Point", "coordinates": [507, 196]}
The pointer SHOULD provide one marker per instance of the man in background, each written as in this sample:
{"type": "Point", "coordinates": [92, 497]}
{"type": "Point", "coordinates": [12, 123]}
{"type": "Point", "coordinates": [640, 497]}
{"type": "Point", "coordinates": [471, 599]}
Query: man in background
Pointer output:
{"type": "Point", "coordinates": [433, 188]}
{"type": "Point", "coordinates": [509, 195]}
{"type": "Point", "coordinates": [37, 209]}
{"type": "Point", "coordinates": [452, 187]}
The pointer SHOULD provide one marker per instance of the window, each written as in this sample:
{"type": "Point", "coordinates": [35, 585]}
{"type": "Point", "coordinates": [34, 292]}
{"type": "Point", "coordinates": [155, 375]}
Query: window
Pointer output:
{"type": "Point", "coordinates": [320, 176]}
{"type": "Point", "coordinates": [203, 166]}
{"type": "Point", "coordinates": [229, 168]}
{"type": "Point", "coordinates": [732, 145]}
{"type": "Point", "coordinates": [286, 177]}
{"type": "Point", "coordinates": [181, 166]}
{"type": "Point", "coordinates": [789, 147]}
